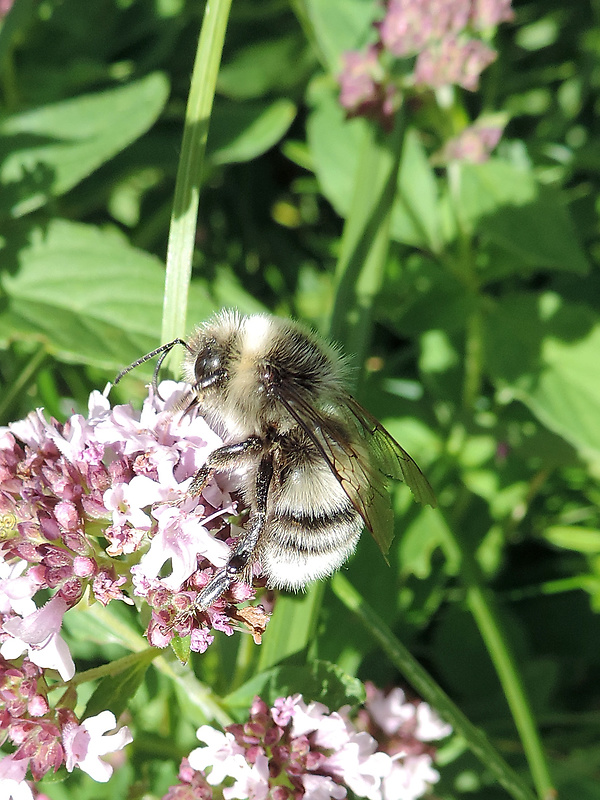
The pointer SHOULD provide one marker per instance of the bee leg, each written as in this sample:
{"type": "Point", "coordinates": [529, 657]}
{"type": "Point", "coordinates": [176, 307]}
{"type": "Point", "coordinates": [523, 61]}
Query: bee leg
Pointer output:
{"type": "Point", "coordinates": [221, 459]}
{"type": "Point", "coordinates": [242, 553]}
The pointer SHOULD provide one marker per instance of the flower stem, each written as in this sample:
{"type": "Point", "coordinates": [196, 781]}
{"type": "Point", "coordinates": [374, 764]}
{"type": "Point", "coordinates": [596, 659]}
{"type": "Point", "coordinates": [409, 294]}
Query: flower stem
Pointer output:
{"type": "Point", "coordinates": [429, 689]}
{"type": "Point", "coordinates": [190, 170]}
{"type": "Point", "coordinates": [482, 608]}
{"type": "Point", "coordinates": [22, 381]}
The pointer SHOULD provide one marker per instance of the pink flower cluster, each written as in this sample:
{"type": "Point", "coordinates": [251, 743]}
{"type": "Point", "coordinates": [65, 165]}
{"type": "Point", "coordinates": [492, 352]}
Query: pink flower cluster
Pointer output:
{"type": "Point", "coordinates": [100, 504]}
{"type": "Point", "coordinates": [46, 738]}
{"type": "Point", "coordinates": [294, 750]}
{"type": "Point", "coordinates": [474, 143]}
{"type": "Point", "coordinates": [5, 7]}
{"type": "Point", "coordinates": [443, 36]}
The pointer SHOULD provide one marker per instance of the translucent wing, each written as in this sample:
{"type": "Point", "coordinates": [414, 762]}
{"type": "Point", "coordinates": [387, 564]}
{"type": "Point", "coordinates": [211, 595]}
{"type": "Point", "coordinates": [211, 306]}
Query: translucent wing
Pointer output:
{"type": "Point", "coordinates": [363, 457]}
{"type": "Point", "coordinates": [391, 458]}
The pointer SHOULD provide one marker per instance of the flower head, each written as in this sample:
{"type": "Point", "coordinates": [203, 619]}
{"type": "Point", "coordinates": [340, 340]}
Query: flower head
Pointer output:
{"type": "Point", "coordinates": [84, 744]}
{"type": "Point", "coordinates": [123, 474]}
{"type": "Point", "coordinates": [296, 750]}
{"type": "Point", "coordinates": [474, 144]}
{"type": "Point", "coordinates": [99, 505]}
{"type": "Point", "coordinates": [13, 785]}
{"type": "Point", "coordinates": [421, 44]}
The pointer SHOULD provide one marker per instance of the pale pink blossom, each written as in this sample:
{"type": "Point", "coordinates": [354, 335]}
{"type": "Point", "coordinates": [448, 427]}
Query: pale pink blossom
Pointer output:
{"type": "Point", "coordinates": [392, 712]}
{"type": "Point", "coordinates": [13, 785]}
{"type": "Point", "coordinates": [429, 727]}
{"type": "Point", "coordinates": [85, 743]}
{"type": "Point", "coordinates": [321, 787]}
{"type": "Point", "coordinates": [359, 78]}
{"type": "Point", "coordinates": [126, 501]}
{"type": "Point", "coordinates": [221, 752]}
{"type": "Point", "coordinates": [488, 14]}
{"type": "Point", "coordinates": [473, 144]}
{"type": "Point", "coordinates": [284, 709]}
{"type": "Point", "coordinates": [308, 718]}
{"type": "Point", "coordinates": [305, 751]}
{"type": "Point", "coordinates": [439, 42]}
{"type": "Point", "coordinates": [409, 779]}
{"type": "Point", "coordinates": [5, 7]}
{"type": "Point", "coordinates": [358, 764]}
{"type": "Point", "coordinates": [333, 732]}
{"type": "Point", "coordinates": [453, 61]}
{"type": "Point", "coordinates": [16, 589]}
{"type": "Point", "coordinates": [180, 539]}
{"type": "Point", "coordinates": [38, 635]}
{"type": "Point", "coordinates": [250, 782]}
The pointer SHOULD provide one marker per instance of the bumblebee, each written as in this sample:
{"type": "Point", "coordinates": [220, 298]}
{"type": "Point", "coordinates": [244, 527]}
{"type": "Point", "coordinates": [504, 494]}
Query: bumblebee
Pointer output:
{"type": "Point", "coordinates": [314, 464]}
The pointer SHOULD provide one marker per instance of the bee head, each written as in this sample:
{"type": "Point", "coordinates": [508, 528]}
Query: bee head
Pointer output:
{"type": "Point", "coordinates": [240, 367]}
{"type": "Point", "coordinates": [212, 351]}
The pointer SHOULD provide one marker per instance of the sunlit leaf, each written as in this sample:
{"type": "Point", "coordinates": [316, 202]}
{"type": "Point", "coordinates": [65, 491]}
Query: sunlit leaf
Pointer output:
{"type": "Point", "coordinates": [88, 296]}
{"type": "Point", "coordinates": [46, 151]}
{"type": "Point", "coordinates": [546, 352]}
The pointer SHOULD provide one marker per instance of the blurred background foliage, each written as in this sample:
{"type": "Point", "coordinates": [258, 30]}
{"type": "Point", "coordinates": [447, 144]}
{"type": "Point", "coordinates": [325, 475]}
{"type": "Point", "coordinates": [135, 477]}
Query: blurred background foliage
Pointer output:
{"type": "Point", "coordinates": [484, 360]}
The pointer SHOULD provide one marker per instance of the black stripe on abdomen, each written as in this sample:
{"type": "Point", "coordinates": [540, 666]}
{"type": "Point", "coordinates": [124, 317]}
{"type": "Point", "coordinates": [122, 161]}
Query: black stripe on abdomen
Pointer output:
{"type": "Point", "coordinates": [316, 533]}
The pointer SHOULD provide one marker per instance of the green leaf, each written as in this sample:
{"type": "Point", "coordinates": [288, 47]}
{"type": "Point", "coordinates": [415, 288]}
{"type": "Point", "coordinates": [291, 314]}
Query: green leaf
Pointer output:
{"type": "Point", "coordinates": [243, 131]}
{"type": "Point", "coordinates": [319, 681]}
{"type": "Point", "coordinates": [340, 25]}
{"type": "Point", "coordinates": [415, 216]}
{"type": "Point", "coordinates": [425, 534]}
{"type": "Point", "coordinates": [335, 144]}
{"type": "Point", "coordinates": [290, 626]}
{"type": "Point", "coordinates": [115, 691]}
{"type": "Point", "coordinates": [46, 151]}
{"type": "Point", "coordinates": [87, 295]}
{"type": "Point", "coordinates": [181, 646]}
{"type": "Point", "coordinates": [268, 65]}
{"type": "Point", "coordinates": [574, 537]}
{"type": "Point", "coordinates": [531, 222]}
{"type": "Point", "coordinates": [545, 352]}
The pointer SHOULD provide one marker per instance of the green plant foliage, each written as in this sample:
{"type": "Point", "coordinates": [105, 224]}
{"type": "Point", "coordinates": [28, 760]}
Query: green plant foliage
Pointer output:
{"type": "Point", "coordinates": [466, 296]}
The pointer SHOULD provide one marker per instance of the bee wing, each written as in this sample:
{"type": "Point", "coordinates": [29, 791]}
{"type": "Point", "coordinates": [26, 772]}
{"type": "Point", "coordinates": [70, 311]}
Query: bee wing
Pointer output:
{"type": "Point", "coordinates": [363, 467]}
{"type": "Point", "coordinates": [391, 458]}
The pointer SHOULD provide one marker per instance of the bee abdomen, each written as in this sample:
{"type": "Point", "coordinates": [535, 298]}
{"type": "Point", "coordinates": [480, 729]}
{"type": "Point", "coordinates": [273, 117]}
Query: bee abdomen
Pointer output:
{"type": "Point", "coordinates": [299, 546]}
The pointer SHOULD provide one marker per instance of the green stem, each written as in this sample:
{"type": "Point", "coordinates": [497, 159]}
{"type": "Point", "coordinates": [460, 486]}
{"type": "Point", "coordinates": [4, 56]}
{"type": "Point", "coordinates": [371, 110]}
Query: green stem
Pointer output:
{"type": "Point", "coordinates": [190, 170]}
{"type": "Point", "coordinates": [429, 689]}
{"type": "Point", "coordinates": [480, 603]}
{"type": "Point", "coordinates": [23, 380]}
{"type": "Point", "coordinates": [473, 359]}
{"type": "Point", "coordinates": [486, 618]}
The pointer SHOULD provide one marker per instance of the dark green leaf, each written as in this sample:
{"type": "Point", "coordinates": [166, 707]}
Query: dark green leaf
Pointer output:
{"type": "Point", "coordinates": [546, 352]}
{"type": "Point", "coordinates": [318, 681]}
{"type": "Point", "coordinates": [530, 221]}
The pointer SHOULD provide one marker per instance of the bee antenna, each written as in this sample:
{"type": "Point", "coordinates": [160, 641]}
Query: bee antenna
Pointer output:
{"type": "Point", "coordinates": [163, 350]}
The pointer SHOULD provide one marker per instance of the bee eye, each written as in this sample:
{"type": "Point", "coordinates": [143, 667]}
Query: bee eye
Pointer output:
{"type": "Point", "coordinates": [208, 368]}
